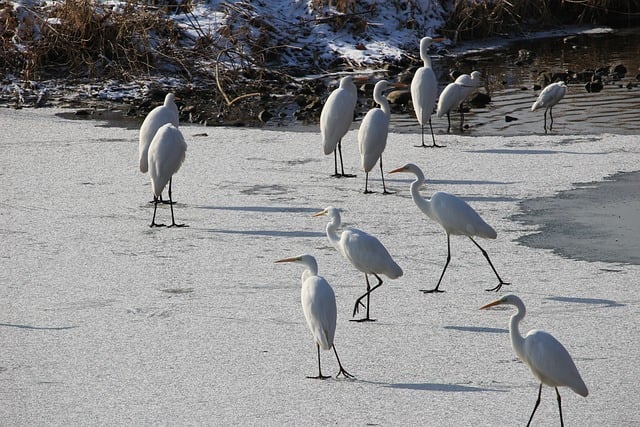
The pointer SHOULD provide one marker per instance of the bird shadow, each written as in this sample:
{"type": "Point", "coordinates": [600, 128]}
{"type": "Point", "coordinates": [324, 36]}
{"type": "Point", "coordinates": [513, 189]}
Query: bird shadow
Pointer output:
{"type": "Point", "coordinates": [447, 388]}
{"type": "Point", "coordinates": [268, 233]}
{"type": "Point", "coordinates": [263, 209]}
{"type": "Point", "coordinates": [594, 301]}
{"type": "Point", "coordinates": [37, 328]}
{"type": "Point", "coordinates": [528, 151]}
{"type": "Point", "coordinates": [452, 181]}
{"type": "Point", "coordinates": [478, 329]}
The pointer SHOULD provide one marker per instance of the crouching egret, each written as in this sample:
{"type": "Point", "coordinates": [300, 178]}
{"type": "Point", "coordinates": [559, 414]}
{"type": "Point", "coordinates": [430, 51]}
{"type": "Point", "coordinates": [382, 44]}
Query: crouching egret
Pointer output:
{"type": "Point", "coordinates": [166, 154]}
{"type": "Point", "coordinates": [545, 356]}
{"type": "Point", "coordinates": [454, 215]}
{"type": "Point", "coordinates": [364, 252]}
{"type": "Point", "coordinates": [424, 90]}
{"type": "Point", "coordinates": [372, 135]}
{"type": "Point", "coordinates": [335, 118]}
{"type": "Point", "coordinates": [319, 308]}
{"type": "Point", "coordinates": [454, 95]}
{"type": "Point", "coordinates": [549, 97]}
{"type": "Point", "coordinates": [159, 116]}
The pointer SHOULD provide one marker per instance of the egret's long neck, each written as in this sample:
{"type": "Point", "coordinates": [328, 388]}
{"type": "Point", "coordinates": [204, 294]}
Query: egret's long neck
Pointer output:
{"type": "Point", "coordinates": [517, 340]}
{"type": "Point", "coordinates": [423, 204]}
{"type": "Point", "coordinates": [332, 230]}
{"type": "Point", "coordinates": [425, 57]}
{"type": "Point", "coordinates": [311, 270]}
{"type": "Point", "coordinates": [382, 100]}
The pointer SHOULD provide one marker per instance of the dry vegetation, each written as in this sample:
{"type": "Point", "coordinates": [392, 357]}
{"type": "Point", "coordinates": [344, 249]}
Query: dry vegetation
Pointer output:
{"type": "Point", "coordinates": [478, 19]}
{"type": "Point", "coordinates": [237, 65]}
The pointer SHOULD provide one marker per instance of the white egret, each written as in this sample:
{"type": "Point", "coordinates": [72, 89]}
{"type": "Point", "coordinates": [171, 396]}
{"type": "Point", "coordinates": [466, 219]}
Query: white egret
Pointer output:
{"type": "Point", "coordinates": [545, 356]}
{"type": "Point", "coordinates": [335, 119]}
{"type": "Point", "coordinates": [454, 215]}
{"type": "Point", "coordinates": [319, 308]}
{"type": "Point", "coordinates": [166, 154]}
{"type": "Point", "coordinates": [454, 95]}
{"type": "Point", "coordinates": [159, 116]}
{"type": "Point", "coordinates": [550, 96]}
{"type": "Point", "coordinates": [372, 135]}
{"type": "Point", "coordinates": [424, 90]}
{"type": "Point", "coordinates": [363, 251]}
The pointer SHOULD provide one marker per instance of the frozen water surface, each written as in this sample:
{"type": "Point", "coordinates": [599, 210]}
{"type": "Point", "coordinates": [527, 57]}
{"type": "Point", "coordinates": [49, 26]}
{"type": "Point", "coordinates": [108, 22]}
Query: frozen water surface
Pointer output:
{"type": "Point", "coordinates": [104, 321]}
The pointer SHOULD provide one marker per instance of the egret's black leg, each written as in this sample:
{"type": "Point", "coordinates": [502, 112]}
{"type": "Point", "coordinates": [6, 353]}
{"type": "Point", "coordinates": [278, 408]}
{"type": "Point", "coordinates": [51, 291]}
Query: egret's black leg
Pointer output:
{"type": "Point", "coordinates": [448, 122]}
{"type": "Point", "coordinates": [342, 370]}
{"type": "Point", "coordinates": [433, 137]}
{"type": "Point", "coordinates": [335, 164]}
{"type": "Point", "coordinates": [320, 376]}
{"type": "Point", "coordinates": [384, 187]}
{"type": "Point", "coordinates": [560, 407]}
{"type": "Point", "coordinates": [545, 120]}
{"type": "Point", "coordinates": [422, 136]}
{"type": "Point", "coordinates": [429, 291]}
{"type": "Point", "coordinates": [155, 207]}
{"type": "Point", "coordinates": [551, 117]}
{"type": "Point", "coordinates": [486, 255]}
{"type": "Point", "coordinates": [173, 221]}
{"type": "Point", "coordinates": [536, 406]}
{"type": "Point", "coordinates": [367, 294]}
{"type": "Point", "coordinates": [366, 183]}
{"type": "Point", "coordinates": [343, 175]}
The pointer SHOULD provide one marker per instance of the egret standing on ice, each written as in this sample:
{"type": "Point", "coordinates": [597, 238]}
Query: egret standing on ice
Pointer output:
{"type": "Point", "coordinates": [545, 356]}
{"type": "Point", "coordinates": [372, 135]}
{"type": "Point", "coordinates": [159, 116]}
{"type": "Point", "coordinates": [549, 97]}
{"type": "Point", "coordinates": [166, 154]}
{"type": "Point", "coordinates": [424, 90]}
{"type": "Point", "coordinates": [319, 308]}
{"type": "Point", "coordinates": [363, 251]}
{"type": "Point", "coordinates": [454, 95]}
{"type": "Point", "coordinates": [454, 215]}
{"type": "Point", "coordinates": [335, 119]}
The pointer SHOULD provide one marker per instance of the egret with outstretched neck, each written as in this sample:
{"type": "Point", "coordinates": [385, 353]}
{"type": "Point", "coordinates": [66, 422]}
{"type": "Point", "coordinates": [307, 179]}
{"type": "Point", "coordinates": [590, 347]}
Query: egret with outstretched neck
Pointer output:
{"type": "Point", "coordinates": [166, 154]}
{"type": "Point", "coordinates": [454, 215]}
{"type": "Point", "coordinates": [550, 96]}
{"type": "Point", "coordinates": [424, 90]}
{"type": "Point", "coordinates": [319, 308]}
{"type": "Point", "coordinates": [335, 118]}
{"type": "Point", "coordinates": [373, 132]}
{"type": "Point", "coordinates": [365, 252]}
{"type": "Point", "coordinates": [546, 357]}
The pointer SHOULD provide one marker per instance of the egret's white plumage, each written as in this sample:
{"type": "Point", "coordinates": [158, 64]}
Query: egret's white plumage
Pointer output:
{"type": "Point", "coordinates": [159, 116]}
{"type": "Point", "coordinates": [319, 308]}
{"type": "Point", "coordinates": [365, 252]}
{"type": "Point", "coordinates": [166, 154]}
{"type": "Point", "coordinates": [454, 95]}
{"type": "Point", "coordinates": [454, 215]}
{"type": "Point", "coordinates": [336, 118]}
{"type": "Point", "coordinates": [550, 96]}
{"type": "Point", "coordinates": [424, 90]}
{"type": "Point", "coordinates": [546, 357]}
{"type": "Point", "coordinates": [373, 132]}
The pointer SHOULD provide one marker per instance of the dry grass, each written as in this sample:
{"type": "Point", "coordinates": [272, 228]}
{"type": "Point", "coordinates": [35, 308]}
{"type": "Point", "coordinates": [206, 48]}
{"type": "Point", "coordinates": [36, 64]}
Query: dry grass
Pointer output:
{"type": "Point", "coordinates": [470, 19]}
